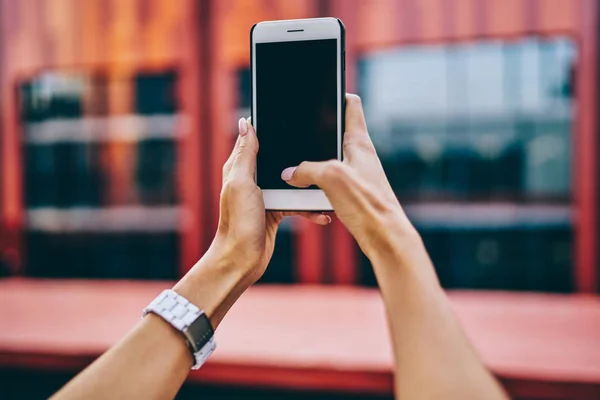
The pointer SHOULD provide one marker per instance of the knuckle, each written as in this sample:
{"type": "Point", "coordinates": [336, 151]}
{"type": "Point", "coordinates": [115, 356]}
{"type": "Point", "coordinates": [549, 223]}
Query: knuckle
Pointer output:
{"type": "Point", "coordinates": [227, 167]}
{"type": "Point", "coordinates": [362, 144]}
{"type": "Point", "coordinates": [241, 149]}
{"type": "Point", "coordinates": [303, 172]}
{"type": "Point", "coordinates": [367, 147]}
{"type": "Point", "coordinates": [233, 185]}
{"type": "Point", "coordinates": [226, 189]}
{"type": "Point", "coordinates": [246, 146]}
{"type": "Point", "coordinates": [304, 165]}
{"type": "Point", "coordinates": [334, 172]}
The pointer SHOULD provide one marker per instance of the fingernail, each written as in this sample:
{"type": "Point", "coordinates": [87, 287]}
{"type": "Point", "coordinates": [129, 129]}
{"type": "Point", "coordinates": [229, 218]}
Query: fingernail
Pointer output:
{"type": "Point", "coordinates": [243, 127]}
{"type": "Point", "coordinates": [287, 173]}
{"type": "Point", "coordinates": [328, 218]}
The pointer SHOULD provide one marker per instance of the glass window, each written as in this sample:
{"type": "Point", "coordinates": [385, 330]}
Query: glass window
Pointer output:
{"type": "Point", "coordinates": [100, 188]}
{"type": "Point", "coordinates": [476, 141]}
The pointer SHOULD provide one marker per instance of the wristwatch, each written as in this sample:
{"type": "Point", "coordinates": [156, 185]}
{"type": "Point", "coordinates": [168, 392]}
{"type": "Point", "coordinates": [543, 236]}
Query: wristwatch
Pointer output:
{"type": "Point", "coordinates": [187, 319]}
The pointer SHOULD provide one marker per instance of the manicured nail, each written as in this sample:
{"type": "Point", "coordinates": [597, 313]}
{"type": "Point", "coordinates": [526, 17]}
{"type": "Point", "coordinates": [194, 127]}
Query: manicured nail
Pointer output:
{"type": "Point", "coordinates": [287, 173]}
{"type": "Point", "coordinates": [243, 127]}
{"type": "Point", "coordinates": [328, 218]}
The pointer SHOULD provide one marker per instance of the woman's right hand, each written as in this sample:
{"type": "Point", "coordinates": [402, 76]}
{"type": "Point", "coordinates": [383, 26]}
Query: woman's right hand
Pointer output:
{"type": "Point", "coordinates": [358, 189]}
{"type": "Point", "coordinates": [433, 357]}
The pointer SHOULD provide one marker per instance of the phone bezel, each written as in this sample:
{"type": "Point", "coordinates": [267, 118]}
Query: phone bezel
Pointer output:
{"type": "Point", "coordinates": [301, 30]}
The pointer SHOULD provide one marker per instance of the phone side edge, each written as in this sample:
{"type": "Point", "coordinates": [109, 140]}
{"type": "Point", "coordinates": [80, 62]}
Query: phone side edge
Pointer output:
{"type": "Point", "coordinates": [252, 82]}
{"type": "Point", "coordinates": [343, 78]}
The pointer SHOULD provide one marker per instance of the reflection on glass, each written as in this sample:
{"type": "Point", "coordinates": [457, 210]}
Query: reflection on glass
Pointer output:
{"type": "Point", "coordinates": [476, 141]}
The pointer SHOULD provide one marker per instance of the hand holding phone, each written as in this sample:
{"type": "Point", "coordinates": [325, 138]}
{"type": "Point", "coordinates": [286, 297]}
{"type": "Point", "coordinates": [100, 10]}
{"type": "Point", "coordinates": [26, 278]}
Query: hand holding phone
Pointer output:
{"type": "Point", "coordinates": [358, 189]}
{"type": "Point", "coordinates": [246, 234]}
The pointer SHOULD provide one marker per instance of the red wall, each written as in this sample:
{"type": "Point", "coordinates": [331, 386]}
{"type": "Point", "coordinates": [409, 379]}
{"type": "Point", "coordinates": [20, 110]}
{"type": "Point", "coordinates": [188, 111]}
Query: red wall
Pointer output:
{"type": "Point", "coordinates": [207, 40]}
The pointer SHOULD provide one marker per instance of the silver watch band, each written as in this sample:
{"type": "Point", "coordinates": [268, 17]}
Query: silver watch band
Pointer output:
{"type": "Point", "coordinates": [189, 320]}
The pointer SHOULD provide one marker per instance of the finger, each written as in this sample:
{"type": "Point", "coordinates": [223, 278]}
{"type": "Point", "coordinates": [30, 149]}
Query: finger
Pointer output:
{"type": "Point", "coordinates": [244, 161]}
{"type": "Point", "coordinates": [317, 218]}
{"type": "Point", "coordinates": [356, 136]}
{"type": "Point", "coordinates": [304, 175]}
{"type": "Point", "coordinates": [326, 175]}
{"type": "Point", "coordinates": [229, 163]}
{"type": "Point", "coordinates": [355, 118]}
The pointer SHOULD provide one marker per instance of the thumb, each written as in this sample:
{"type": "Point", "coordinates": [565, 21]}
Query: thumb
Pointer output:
{"type": "Point", "coordinates": [244, 162]}
{"type": "Point", "coordinates": [325, 174]}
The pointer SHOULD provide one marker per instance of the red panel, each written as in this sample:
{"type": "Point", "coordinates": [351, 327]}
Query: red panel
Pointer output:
{"type": "Point", "coordinates": [411, 20]}
{"type": "Point", "coordinates": [345, 255]}
{"type": "Point", "coordinates": [378, 23]}
{"type": "Point", "coordinates": [10, 156]}
{"type": "Point", "coordinates": [505, 17]}
{"type": "Point", "coordinates": [464, 14]}
{"type": "Point", "coordinates": [190, 167]}
{"type": "Point", "coordinates": [481, 18]}
{"type": "Point", "coordinates": [222, 126]}
{"type": "Point", "coordinates": [309, 252]}
{"type": "Point", "coordinates": [513, 332]}
{"type": "Point", "coordinates": [558, 15]}
{"type": "Point", "coordinates": [432, 25]}
{"type": "Point", "coordinates": [531, 15]}
{"type": "Point", "coordinates": [585, 152]}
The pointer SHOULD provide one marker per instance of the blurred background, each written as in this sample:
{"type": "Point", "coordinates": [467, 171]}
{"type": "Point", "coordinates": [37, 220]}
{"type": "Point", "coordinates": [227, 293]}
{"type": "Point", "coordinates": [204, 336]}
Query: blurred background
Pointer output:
{"type": "Point", "coordinates": [117, 116]}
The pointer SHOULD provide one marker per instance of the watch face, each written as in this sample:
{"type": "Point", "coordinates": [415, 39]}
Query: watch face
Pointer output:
{"type": "Point", "coordinates": [200, 331]}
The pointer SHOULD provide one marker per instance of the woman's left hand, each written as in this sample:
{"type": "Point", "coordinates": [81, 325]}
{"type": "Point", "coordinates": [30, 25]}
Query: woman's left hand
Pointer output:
{"type": "Point", "coordinates": [246, 232]}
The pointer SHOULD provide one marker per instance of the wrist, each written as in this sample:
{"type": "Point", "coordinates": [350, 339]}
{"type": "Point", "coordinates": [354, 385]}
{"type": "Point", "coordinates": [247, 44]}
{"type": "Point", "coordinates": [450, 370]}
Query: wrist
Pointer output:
{"type": "Point", "coordinates": [392, 237]}
{"type": "Point", "coordinates": [398, 252]}
{"type": "Point", "coordinates": [243, 256]}
{"type": "Point", "coordinates": [213, 284]}
{"type": "Point", "coordinates": [396, 243]}
{"type": "Point", "coordinates": [394, 248]}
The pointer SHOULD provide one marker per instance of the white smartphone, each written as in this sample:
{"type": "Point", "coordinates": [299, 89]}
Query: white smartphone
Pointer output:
{"type": "Point", "coordinates": [298, 104]}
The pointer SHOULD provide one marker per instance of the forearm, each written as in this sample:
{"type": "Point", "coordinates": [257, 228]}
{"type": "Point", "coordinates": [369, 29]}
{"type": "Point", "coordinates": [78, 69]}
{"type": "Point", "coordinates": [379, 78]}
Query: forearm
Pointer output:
{"type": "Point", "coordinates": [433, 356]}
{"type": "Point", "coordinates": [153, 360]}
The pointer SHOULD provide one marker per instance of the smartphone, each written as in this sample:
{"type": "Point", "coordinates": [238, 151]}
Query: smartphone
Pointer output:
{"type": "Point", "coordinates": [298, 104]}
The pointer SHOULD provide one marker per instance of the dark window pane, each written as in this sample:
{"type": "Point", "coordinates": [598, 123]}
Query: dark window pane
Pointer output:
{"type": "Point", "coordinates": [155, 93]}
{"type": "Point", "coordinates": [476, 141]}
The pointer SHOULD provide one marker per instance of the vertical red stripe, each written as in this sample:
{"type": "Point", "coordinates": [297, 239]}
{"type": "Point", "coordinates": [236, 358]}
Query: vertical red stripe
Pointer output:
{"type": "Point", "coordinates": [481, 18]}
{"type": "Point", "coordinates": [221, 118]}
{"type": "Point", "coordinates": [10, 156]}
{"type": "Point", "coordinates": [585, 148]}
{"type": "Point", "coordinates": [4, 241]}
{"type": "Point", "coordinates": [410, 20]}
{"type": "Point", "coordinates": [191, 149]}
{"type": "Point", "coordinates": [531, 16]}
{"type": "Point", "coordinates": [448, 19]}
{"type": "Point", "coordinates": [3, 34]}
{"type": "Point", "coordinates": [309, 252]}
{"type": "Point", "coordinates": [11, 159]}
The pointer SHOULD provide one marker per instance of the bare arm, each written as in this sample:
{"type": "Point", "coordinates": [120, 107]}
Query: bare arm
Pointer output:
{"type": "Point", "coordinates": [432, 355]}
{"type": "Point", "coordinates": [152, 361]}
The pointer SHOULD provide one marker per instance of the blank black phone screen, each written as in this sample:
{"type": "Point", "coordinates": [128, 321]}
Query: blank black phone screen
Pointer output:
{"type": "Point", "coordinates": [296, 106]}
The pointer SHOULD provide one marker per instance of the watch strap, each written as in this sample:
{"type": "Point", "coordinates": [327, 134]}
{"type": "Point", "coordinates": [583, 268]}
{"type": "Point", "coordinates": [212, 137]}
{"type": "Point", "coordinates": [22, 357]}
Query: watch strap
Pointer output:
{"type": "Point", "coordinates": [187, 318]}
